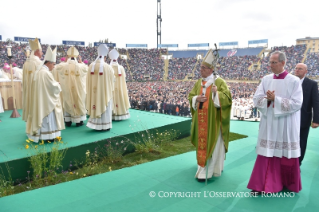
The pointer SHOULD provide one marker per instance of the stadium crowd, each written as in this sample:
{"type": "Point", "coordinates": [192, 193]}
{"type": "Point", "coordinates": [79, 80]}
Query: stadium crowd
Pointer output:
{"type": "Point", "coordinates": [294, 55]}
{"type": "Point", "coordinates": [164, 97]}
{"type": "Point", "coordinates": [312, 61]}
{"type": "Point", "coordinates": [148, 62]}
{"type": "Point", "coordinates": [179, 67]}
{"type": "Point", "coordinates": [171, 97]}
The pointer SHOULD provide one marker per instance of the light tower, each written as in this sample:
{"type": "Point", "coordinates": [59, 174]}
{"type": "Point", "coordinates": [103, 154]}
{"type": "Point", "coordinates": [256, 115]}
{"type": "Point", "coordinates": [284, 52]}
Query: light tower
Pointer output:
{"type": "Point", "coordinates": [158, 23]}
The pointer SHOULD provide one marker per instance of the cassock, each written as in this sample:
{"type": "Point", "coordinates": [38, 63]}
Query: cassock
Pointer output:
{"type": "Point", "coordinates": [278, 148]}
{"type": "Point", "coordinates": [45, 120]}
{"type": "Point", "coordinates": [210, 126]}
{"type": "Point", "coordinates": [72, 78]}
{"type": "Point", "coordinates": [100, 85]}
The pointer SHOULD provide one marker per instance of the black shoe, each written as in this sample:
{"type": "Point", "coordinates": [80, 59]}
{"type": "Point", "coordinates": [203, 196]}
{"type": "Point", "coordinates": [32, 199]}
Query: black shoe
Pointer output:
{"type": "Point", "coordinates": [68, 124]}
{"type": "Point", "coordinates": [79, 124]}
{"type": "Point", "coordinates": [201, 180]}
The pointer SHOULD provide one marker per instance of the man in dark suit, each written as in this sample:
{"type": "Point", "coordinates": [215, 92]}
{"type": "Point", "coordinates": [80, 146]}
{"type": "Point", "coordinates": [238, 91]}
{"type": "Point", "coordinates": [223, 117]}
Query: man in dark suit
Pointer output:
{"type": "Point", "coordinates": [310, 106]}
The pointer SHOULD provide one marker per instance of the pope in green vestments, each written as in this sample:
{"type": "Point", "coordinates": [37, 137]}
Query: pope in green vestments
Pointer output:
{"type": "Point", "coordinates": [210, 121]}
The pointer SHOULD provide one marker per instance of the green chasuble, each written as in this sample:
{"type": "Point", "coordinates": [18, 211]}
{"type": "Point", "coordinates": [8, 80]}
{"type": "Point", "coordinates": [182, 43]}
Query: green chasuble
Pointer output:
{"type": "Point", "coordinates": [217, 118]}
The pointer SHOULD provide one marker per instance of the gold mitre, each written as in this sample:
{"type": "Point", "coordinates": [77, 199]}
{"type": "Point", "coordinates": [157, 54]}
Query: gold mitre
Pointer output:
{"type": "Point", "coordinates": [35, 44]}
{"type": "Point", "coordinates": [50, 55]}
{"type": "Point", "coordinates": [209, 59]}
{"type": "Point", "coordinates": [72, 52]}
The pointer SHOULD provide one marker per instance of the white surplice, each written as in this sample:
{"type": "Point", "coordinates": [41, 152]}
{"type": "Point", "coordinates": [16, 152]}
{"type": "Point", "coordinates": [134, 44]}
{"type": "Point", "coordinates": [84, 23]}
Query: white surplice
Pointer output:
{"type": "Point", "coordinates": [280, 121]}
{"type": "Point", "coordinates": [103, 123]}
{"type": "Point", "coordinates": [49, 129]}
{"type": "Point", "coordinates": [1, 106]}
{"type": "Point", "coordinates": [74, 119]}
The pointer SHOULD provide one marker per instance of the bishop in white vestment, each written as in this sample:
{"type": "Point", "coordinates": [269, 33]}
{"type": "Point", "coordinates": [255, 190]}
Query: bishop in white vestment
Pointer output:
{"type": "Point", "coordinates": [45, 120]}
{"type": "Point", "coordinates": [72, 77]}
{"type": "Point", "coordinates": [32, 64]}
{"type": "Point", "coordinates": [100, 86]}
{"type": "Point", "coordinates": [121, 103]}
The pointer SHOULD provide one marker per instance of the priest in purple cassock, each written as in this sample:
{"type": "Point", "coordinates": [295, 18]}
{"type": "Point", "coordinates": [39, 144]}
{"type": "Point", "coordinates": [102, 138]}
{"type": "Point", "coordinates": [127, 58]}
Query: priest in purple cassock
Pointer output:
{"type": "Point", "coordinates": [279, 99]}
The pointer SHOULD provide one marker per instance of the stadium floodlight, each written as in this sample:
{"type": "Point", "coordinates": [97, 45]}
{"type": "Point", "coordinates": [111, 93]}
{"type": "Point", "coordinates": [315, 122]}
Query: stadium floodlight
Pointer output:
{"type": "Point", "coordinates": [159, 23]}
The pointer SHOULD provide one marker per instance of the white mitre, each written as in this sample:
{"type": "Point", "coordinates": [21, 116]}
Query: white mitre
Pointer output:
{"type": "Point", "coordinates": [114, 55]}
{"type": "Point", "coordinates": [102, 51]}
{"type": "Point", "coordinates": [50, 55]}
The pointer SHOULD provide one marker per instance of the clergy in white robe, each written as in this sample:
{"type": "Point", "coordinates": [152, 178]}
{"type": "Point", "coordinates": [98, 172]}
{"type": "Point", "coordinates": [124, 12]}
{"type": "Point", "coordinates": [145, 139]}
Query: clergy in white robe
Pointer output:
{"type": "Point", "coordinates": [45, 120]}
{"type": "Point", "coordinates": [3, 76]}
{"type": "Point", "coordinates": [31, 64]}
{"type": "Point", "coordinates": [279, 99]}
{"type": "Point", "coordinates": [100, 86]}
{"type": "Point", "coordinates": [72, 78]}
{"type": "Point", "coordinates": [121, 103]}
{"type": "Point", "coordinates": [1, 105]}
{"type": "Point", "coordinates": [17, 73]}
{"type": "Point", "coordinates": [232, 113]}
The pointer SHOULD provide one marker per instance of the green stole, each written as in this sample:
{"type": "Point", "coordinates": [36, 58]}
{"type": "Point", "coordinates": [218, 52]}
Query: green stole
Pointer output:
{"type": "Point", "coordinates": [215, 119]}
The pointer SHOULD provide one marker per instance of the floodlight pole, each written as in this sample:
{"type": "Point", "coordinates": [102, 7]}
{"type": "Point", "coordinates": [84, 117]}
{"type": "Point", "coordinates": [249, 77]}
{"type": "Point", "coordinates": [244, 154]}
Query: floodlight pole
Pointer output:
{"type": "Point", "coordinates": [158, 23]}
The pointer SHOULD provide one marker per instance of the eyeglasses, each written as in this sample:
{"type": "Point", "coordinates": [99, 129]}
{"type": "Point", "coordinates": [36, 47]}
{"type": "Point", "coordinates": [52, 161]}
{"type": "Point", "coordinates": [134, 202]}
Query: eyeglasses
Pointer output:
{"type": "Point", "coordinates": [203, 67]}
{"type": "Point", "coordinates": [273, 62]}
{"type": "Point", "coordinates": [298, 68]}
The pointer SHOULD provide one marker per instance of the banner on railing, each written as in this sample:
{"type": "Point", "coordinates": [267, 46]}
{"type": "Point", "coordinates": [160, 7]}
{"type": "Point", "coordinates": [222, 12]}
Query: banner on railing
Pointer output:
{"type": "Point", "coordinates": [70, 42]}
{"type": "Point", "coordinates": [136, 45]}
{"type": "Point", "coordinates": [167, 45]}
{"type": "Point", "coordinates": [234, 43]}
{"type": "Point", "coordinates": [198, 45]}
{"type": "Point", "coordinates": [24, 39]}
{"type": "Point", "coordinates": [112, 45]}
{"type": "Point", "coordinates": [257, 41]}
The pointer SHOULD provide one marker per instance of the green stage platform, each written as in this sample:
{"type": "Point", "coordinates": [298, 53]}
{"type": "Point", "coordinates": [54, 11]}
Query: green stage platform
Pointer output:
{"type": "Point", "coordinates": [79, 139]}
{"type": "Point", "coordinates": [129, 189]}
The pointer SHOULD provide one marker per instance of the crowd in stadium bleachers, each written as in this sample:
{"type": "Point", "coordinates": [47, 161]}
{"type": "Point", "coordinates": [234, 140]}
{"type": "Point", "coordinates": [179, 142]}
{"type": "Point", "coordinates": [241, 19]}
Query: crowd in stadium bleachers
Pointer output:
{"type": "Point", "coordinates": [143, 63]}
{"type": "Point", "coordinates": [294, 54]}
{"type": "Point", "coordinates": [242, 89]}
{"type": "Point", "coordinates": [146, 62]}
{"type": "Point", "coordinates": [164, 97]}
{"type": "Point", "coordinates": [179, 67]}
{"type": "Point", "coordinates": [170, 97]}
{"type": "Point", "coordinates": [313, 64]}
{"type": "Point", "coordinates": [236, 67]}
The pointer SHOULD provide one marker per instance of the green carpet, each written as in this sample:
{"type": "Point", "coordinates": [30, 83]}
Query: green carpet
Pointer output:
{"type": "Point", "coordinates": [128, 189]}
{"type": "Point", "coordinates": [79, 139]}
{"type": "Point", "coordinates": [12, 139]}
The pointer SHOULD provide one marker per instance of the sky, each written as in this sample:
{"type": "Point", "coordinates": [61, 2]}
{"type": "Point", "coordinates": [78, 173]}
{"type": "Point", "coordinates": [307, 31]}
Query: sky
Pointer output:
{"type": "Point", "coordinates": [183, 21]}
